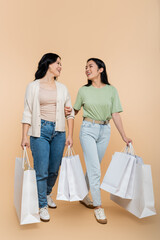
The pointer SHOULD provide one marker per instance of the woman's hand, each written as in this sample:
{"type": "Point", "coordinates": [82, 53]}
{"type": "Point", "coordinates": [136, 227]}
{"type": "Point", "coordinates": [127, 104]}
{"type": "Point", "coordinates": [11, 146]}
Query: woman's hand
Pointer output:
{"type": "Point", "coordinates": [127, 140]}
{"type": "Point", "coordinates": [69, 141]}
{"type": "Point", "coordinates": [25, 142]}
{"type": "Point", "coordinates": [67, 111]}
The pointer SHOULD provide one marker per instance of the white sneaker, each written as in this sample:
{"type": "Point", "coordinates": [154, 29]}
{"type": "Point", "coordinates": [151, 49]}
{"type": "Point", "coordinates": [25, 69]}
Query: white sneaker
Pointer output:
{"type": "Point", "coordinates": [50, 202]}
{"type": "Point", "coordinates": [100, 215]}
{"type": "Point", "coordinates": [44, 215]}
{"type": "Point", "coordinates": [87, 202]}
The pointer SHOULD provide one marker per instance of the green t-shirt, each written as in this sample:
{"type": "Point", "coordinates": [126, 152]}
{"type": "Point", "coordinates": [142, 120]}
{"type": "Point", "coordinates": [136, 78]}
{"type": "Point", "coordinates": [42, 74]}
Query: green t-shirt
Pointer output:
{"type": "Point", "coordinates": [98, 103]}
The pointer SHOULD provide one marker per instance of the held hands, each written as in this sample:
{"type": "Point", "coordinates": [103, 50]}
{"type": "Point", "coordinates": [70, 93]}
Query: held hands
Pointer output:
{"type": "Point", "coordinates": [67, 111]}
{"type": "Point", "coordinates": [25, 142]}
{"type": "Point", "coordinates": [69, 141]}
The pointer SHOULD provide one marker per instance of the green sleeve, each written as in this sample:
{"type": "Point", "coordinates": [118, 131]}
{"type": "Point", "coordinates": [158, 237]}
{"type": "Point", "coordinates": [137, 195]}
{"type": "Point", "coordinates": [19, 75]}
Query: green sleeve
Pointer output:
{"type": "Point", "coordinates": [116, 104]}
{"type": "Point", "coordinates": [79, 102]}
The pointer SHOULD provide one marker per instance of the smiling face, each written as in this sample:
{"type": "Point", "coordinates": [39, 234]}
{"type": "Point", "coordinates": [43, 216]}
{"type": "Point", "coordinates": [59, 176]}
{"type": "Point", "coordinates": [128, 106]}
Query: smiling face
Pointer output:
{"type": "Point", "coordinates": [55, 68]}
{"type": "Point", "coordinates": [92, 70]}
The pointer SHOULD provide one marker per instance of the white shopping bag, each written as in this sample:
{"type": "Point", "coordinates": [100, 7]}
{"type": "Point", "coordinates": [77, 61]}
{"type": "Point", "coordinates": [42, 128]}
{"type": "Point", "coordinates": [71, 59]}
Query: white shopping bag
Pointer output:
{"type": "Point", "coordinates": [72, 185]}
{"type": "Point", "coordinates": [76, 180]}
{"type": "Point", "coordinates": [63, 188]}
{"type": "Point", "coordinates": [119, 178]}
{"type": "Point", "coordinates": [25, 191]}
{"type": "Point", "coordinates": [142, 204]}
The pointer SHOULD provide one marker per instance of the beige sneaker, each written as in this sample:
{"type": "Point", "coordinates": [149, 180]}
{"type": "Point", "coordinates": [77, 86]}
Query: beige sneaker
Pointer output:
{"type": "Point", "coordinates": [100, 215]}
{"type": "Point", "coordinates": [87, 202]}
{"type": "Point", "coordinates": [50, 202]}
{"type": "Point", "coordinates": [44, 215]}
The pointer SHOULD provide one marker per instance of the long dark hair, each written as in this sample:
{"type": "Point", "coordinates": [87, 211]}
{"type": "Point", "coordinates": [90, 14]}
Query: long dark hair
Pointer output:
{"type": "Point", "coordinates": [100, 64]}
{"type": "Point", "coordinates": [44, 63]}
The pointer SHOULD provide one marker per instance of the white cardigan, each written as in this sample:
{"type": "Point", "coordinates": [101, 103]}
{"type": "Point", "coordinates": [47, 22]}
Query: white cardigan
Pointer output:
{"type": "Point", "coordinates": [31, 114]}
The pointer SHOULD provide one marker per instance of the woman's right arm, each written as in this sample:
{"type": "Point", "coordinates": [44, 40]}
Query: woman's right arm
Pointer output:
{"type": "Point", "coordinates": [25, 139]}
{"type": "Point", "coordinates": [27, 114]}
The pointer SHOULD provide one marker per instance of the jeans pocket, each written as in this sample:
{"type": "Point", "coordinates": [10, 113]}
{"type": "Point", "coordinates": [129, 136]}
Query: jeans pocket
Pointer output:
{"type": "Point", "coordinates": [107, 129]}
{"type": "Point", "coordinates": [43, 124]}
{"type": "Point", "coordinates": [86, 124]}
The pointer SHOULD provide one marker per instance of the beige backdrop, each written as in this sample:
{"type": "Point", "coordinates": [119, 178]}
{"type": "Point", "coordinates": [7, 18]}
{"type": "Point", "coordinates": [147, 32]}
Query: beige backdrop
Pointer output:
{"type": "Point", "coordinates": [126, 35]}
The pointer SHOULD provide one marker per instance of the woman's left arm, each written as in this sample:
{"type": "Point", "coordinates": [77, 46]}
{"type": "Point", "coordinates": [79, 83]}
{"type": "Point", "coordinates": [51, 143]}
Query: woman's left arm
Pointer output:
{"type": "Point", "coordinates": [118, 123]}
{"type": "Point", "coordinates": [69, 140]}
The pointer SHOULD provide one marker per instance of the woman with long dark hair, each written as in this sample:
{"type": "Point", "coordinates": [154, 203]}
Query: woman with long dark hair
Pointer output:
{"type": "Point", "coordinates": [100, 103]}
{"type": "Point", "coordinates": [44, 121]}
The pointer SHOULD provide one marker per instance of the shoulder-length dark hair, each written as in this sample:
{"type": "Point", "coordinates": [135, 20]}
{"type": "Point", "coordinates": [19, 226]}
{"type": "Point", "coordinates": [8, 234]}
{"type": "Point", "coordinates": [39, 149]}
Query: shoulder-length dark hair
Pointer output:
{"type": "Point", "coordinates": [100, 64]}
{"type": "Point", "coordinates": [44, 63]}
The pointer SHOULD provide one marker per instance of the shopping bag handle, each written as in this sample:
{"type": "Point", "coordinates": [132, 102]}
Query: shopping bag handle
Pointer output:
{"type": "Point", "coordinates": [25, 158]}
{"type": "Point", "coordinates": [69, 152]}
{"type": "Point", "coordinates": [129, 149]}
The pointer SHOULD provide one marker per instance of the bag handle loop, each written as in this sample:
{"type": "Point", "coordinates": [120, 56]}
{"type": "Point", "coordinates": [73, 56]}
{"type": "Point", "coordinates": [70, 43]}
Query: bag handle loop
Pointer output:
{"type": "Point", "coordinates": [129, 149]}
{"type": "Point", "coordinates": [25, 159]}
{"type": "Point", "coordinates": [69, 152]}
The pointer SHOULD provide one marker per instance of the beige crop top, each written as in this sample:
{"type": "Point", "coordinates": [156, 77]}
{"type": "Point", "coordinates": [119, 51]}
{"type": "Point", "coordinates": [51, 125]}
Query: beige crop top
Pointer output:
{"type": "Point", "coordinates": [48, 102]}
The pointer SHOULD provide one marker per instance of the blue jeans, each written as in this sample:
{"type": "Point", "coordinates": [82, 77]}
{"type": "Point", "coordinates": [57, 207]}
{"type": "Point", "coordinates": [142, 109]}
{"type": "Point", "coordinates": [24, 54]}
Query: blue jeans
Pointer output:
{"type": "Point", "coordinates": [47, 151]}
{"type": "Point", "coordinates": [94, 140]}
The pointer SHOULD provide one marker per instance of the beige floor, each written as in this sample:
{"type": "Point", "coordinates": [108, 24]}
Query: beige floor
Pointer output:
{"type": "Point", "coordinates": [74, 221]}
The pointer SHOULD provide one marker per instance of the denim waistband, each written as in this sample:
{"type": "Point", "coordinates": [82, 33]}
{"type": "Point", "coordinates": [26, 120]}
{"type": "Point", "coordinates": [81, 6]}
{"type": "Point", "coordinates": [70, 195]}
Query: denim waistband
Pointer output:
{"type": "Point", "coordinates": [47, 122]}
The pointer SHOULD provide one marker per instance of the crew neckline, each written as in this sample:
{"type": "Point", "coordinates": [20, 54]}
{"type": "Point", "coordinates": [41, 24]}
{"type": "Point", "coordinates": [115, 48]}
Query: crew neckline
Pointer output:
{"type": "Point", "coordinates": [97, 87]}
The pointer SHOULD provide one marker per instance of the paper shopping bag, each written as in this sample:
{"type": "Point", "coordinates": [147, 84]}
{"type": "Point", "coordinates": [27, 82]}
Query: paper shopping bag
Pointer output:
{"type": "Point", "coordinates": [63, 188]}
{"type": "Point", "coordinates": [76, 180]}
{"type": "Point", "coordinates": [25, 191]}
{"type": "Point", "coordinates": [72, 185]}
{"type": "Point", "coordinates": [119, 178]}
{"type": "Point", "coordinates": [142, 204]}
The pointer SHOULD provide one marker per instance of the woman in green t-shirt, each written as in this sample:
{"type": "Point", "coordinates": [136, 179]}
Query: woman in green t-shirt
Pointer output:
{"type": "Point", "coordinates": [100, 103]}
